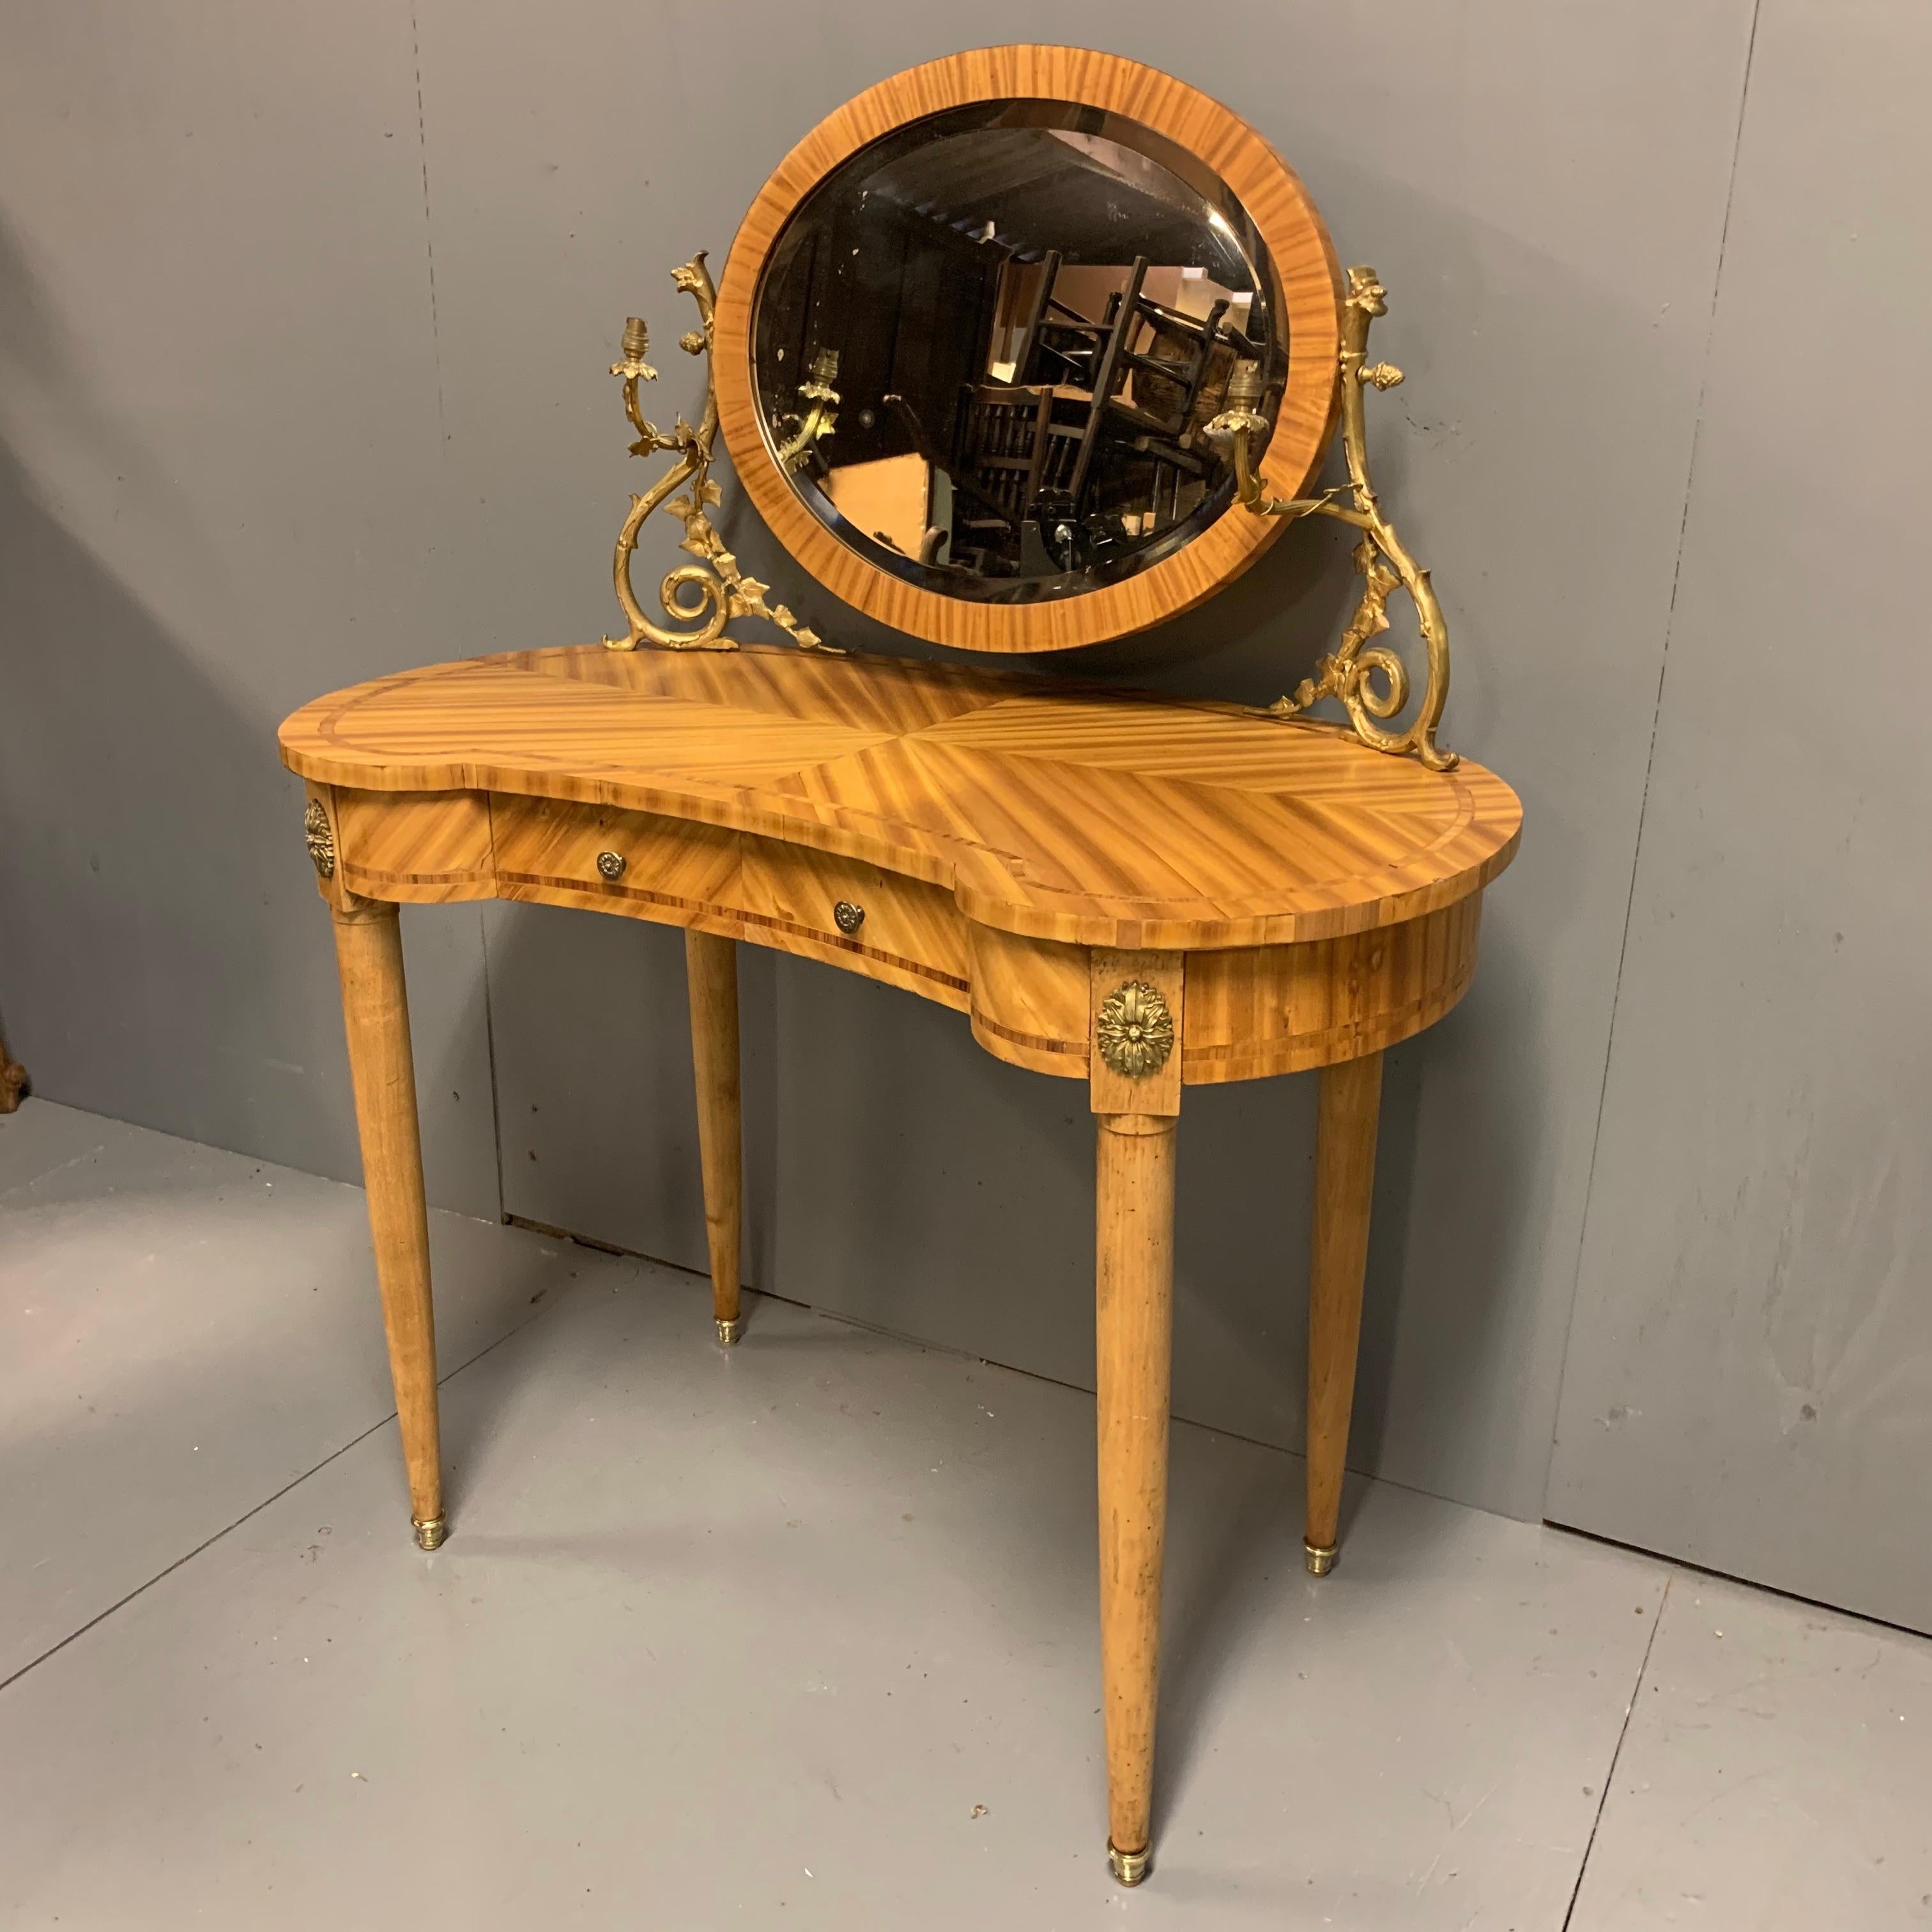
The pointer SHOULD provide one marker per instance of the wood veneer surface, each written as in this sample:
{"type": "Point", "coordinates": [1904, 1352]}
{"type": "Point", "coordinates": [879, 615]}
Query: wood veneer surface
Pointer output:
{"type": "Point", "coordinates": [1091, 817]}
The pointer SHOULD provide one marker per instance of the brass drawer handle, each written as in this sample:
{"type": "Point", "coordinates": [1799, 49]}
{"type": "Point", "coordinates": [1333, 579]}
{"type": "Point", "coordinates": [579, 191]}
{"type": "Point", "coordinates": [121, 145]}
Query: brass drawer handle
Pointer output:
{"type": "Point", "coordinates": [610, 864]}
{"type": "Point", "coordinates": [848, 917]}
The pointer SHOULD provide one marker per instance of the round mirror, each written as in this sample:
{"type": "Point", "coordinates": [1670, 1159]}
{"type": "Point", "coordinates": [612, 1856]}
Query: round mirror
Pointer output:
{"type": "Point", "coordinates": [984, 350]}
{"type": "Point", "coordinates": [968, 355]}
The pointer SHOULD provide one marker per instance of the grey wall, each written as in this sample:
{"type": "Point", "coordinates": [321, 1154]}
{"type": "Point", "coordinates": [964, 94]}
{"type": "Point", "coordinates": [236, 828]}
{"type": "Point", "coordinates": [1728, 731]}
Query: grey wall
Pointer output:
{"type": "Point", "coordinates": [221, 491]}
{"type": "Point", "coordinates": [1749, 1382]}
{"type": "Point", "coordinates": [307, 316]}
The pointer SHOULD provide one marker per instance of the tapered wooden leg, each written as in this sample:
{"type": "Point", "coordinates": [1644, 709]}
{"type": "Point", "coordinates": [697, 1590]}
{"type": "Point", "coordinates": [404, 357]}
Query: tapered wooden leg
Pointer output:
{"type": "Point", "coordinates": [1134, 1295]}
{"type": "Point", "coordinates": [376, 1013]}
{"type": "Point", "coordinates": [711, 965]}
{"type": "Point", "coordinates": [1345, 1178]}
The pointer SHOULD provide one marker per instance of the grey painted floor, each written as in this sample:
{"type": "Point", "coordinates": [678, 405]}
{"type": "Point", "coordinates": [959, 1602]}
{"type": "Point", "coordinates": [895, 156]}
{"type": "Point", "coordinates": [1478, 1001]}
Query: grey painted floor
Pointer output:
{"type": "Point", "coordinates": [802, 1635]}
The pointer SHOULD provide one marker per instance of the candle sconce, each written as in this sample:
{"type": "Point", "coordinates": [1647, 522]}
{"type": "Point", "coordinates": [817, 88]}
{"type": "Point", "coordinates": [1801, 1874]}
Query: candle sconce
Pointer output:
{"type": "Point", "coordinates": [1349, 673]}
{"type": "Point", "coordinates": [700, 599]}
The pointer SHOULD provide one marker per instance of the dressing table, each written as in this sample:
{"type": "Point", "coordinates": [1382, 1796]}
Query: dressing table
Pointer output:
{"type": "Point", "coordinates": [1025, 349]}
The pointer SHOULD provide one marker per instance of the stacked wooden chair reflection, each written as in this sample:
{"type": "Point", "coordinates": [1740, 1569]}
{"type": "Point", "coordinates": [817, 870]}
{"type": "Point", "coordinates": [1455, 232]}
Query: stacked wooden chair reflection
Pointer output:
{"type": "Point", "coordinates": [1095, 440]}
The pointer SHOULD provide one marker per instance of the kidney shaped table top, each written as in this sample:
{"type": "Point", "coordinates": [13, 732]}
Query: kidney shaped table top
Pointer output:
{"type": "Point", "coordinates": [1140, 892]}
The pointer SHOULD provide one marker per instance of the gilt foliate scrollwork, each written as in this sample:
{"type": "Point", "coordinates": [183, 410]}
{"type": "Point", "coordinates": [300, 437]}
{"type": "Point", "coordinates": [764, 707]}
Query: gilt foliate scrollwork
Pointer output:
{"type": "Point", "coordinates": [1369, 681]}
{"type": "Point", "coordinates": [701, 598]}
{"type": "Point", "coordinates": [799, 434]}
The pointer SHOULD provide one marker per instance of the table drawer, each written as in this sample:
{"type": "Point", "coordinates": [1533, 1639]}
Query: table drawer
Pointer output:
{"type": "Point", "coordinates": [840, 905]}
{"type": "Point", "coordinates": [652, 867]}
{"type": "Point", "coordinates": [761, 889]}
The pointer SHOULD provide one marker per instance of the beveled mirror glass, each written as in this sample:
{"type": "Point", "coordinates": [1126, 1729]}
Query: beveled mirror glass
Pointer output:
{"type": "Point", "coordinates": [973, 332]}
{"type": "Point", "coordinates": [1028, 313]}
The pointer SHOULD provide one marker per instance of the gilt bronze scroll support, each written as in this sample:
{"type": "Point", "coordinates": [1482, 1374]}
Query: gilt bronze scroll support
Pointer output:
{"type": "Point", "coordinates": [701, 598]}
{"type": "Point", "coordinates": [1349, 672]}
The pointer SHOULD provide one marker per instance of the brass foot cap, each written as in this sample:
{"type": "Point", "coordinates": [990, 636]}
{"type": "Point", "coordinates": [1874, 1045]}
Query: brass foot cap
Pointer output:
{"type": "Point", "coordinates": [1321, 1558]}
{"type": "Point", "coordinates": [728, 1332]}
{"type": "Point", "coordinates": [430, 1530]}
{"type": "Point", "coordinates": [1129, 1867]}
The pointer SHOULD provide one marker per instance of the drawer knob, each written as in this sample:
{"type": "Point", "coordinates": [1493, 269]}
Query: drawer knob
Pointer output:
{"type": "Point", "coordinates": [847, 916]}
{"type": "Point", "coordinates": [610, 864]}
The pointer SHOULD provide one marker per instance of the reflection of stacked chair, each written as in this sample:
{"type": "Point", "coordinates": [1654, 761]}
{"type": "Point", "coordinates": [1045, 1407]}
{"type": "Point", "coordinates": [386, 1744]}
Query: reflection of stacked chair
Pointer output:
{"type": "Point", "coordinates": [1007, 443]}
{"type": "Point", "coordinates": [1101, 421]}
{"type": "Point", "coordinates": [1028, 447]}
{"type": "Point", "coordinates": [1143, 443]}
{"type": "Point", "coordinates": [1083, 361]}
{"type": "Point", "coordinates": [1057, 344]}
{"type": "Point", "coordinates": [995, 473]}
{"type": "Point", "coordinates": [1173, 399]}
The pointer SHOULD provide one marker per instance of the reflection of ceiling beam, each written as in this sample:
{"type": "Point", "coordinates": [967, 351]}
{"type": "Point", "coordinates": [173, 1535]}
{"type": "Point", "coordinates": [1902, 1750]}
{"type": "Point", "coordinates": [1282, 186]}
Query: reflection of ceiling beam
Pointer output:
{"type": "Point", "coordinates": [1040, 192]}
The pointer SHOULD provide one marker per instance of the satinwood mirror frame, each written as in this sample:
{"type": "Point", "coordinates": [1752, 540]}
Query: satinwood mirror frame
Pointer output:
{"type": "Point", "coordinates": [1306, 276]}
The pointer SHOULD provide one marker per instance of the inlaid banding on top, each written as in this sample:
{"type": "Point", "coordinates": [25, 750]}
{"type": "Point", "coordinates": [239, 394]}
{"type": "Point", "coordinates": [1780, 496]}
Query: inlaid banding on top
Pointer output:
{"type": "Point", "coordinates": [1126, 820]}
